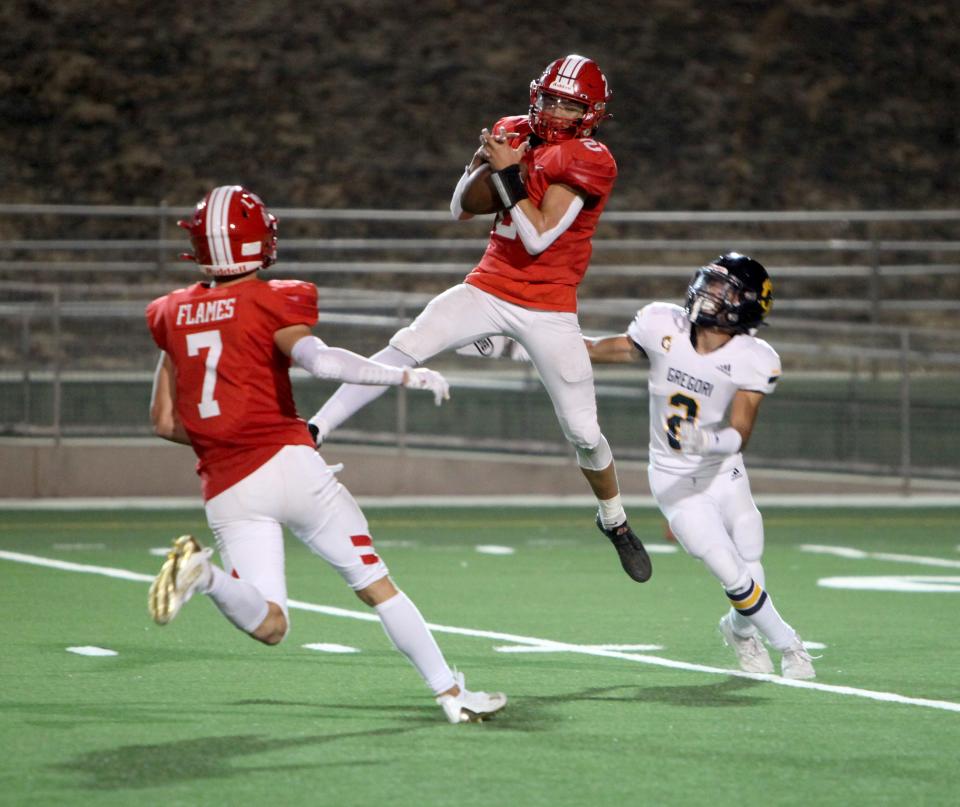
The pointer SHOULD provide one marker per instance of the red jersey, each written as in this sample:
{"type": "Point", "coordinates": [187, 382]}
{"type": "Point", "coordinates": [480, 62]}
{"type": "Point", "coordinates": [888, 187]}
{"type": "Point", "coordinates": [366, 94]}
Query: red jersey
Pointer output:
{"type": "Point", "coordinates": [549, 280]}
{"type": "Point", "coordinates": [232, 382]}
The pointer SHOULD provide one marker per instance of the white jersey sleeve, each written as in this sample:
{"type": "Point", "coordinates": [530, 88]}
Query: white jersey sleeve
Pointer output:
{"type": "Point", "coordinates": [646, 330]}
{"type": "Point", "coordinates": [761, 371]}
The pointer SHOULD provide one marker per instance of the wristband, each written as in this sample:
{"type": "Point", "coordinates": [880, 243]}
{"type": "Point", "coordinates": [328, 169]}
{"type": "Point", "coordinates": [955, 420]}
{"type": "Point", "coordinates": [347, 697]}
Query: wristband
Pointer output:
{"type": "Point", "coordinates": [509, 185]}
{"type": "Point", "coordinates": [725, 441]}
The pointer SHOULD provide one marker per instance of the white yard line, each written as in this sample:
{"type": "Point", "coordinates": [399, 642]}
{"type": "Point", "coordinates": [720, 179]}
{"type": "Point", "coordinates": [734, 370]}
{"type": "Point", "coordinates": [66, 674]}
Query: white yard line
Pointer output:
{"type": "Point", "coordinates": [859, 554]}
{"type": "Point", "coordinates": [812, 500]}
{"type": "Point", "coordinates": [543, 645]}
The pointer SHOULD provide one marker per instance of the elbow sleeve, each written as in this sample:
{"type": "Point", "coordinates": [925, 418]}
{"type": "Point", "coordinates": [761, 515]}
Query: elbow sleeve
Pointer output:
{"type": "Point", "coordinates": [336, 364]}
{"type": "Point", "coordinates": [536, 242]}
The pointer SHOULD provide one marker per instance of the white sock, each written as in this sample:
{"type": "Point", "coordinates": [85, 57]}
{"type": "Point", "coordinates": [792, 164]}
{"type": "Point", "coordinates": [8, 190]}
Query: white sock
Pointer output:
{"type": "Point", "coordinates": [756, 605]}
{"type": "Point", "coordinates": [404, 624]}
{"type": "Point", "coordinates": [612, 513]}
{"type": "Point", "coordinates": [351, 398]}
{"type": "Point", "coordinates": [742, 625]}
{"type": "Point", "coordinates": [239, 601]}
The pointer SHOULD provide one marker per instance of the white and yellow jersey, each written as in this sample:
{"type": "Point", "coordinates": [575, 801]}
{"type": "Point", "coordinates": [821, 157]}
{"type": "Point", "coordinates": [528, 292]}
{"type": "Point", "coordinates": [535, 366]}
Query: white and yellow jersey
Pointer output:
{"type": "Point", "coordinates": [684, 384]}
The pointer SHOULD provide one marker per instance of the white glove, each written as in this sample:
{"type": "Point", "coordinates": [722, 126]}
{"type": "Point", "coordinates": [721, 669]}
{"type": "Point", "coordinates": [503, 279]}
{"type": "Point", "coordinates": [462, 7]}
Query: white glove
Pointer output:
{"type": "Point", "coordinates": [694, 440]}
{"type": "Point", "coordinates": [422, 378]}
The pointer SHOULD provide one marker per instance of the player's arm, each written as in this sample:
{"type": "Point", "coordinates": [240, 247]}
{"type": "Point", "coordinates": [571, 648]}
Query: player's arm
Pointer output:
{"type": "Point", "coordinates": [163, 403]}
{"type": "Point", "coordinates": [537, 227]}
{"type": "Point", "coordinates": [337, 364]}
{"type": "Point", "coordinates": [743, 415]}
{"type": "Point", "coordinates": [477, 165]}
{"type": "Point", "coordinates": [619, 349]}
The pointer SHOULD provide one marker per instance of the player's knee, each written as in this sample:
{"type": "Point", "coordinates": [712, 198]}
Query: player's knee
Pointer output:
{"type": "Point", "coordinates": [748, 535]}
{"type": "Point", "coordinates": [407, 348]}
{"type": "Point", "coordinates": [274, 627]}
{"type": "Point", "coordinates": [394, 357]}
{"type": "Point", "coordinates": [377, 592]}
{"type": "Point", "coordinates": [593, 450]}
{"type": "Point", "coordinates": [583, 436]}
{"type": "Point", "coordinates": [689, 531]}
{"type": "Point", "coordinates": [727, 566]}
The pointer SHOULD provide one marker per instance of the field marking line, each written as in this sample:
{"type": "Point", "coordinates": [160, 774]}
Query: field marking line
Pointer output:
{"type": "Point", "coordinates": [903, 583]}
{"type": "Point", "coordinates": [859, 500]}
{"type": "Point", "coordinates": [544, 645]}
{"type": "Point", "coordinates": [67, 566]}
{"type": "Point", "coordinates": [858, 554]}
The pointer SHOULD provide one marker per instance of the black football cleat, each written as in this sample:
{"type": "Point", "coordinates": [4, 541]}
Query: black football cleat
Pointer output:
{"type": "Point", "coordinates": [633, 557]}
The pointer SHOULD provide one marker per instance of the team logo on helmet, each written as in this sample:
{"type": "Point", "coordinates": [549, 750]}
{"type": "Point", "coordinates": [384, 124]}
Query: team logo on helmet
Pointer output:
{"type": "Point", "coordinates": [574, 78]}
{"type": "Point", "coordinates": [232, 232]}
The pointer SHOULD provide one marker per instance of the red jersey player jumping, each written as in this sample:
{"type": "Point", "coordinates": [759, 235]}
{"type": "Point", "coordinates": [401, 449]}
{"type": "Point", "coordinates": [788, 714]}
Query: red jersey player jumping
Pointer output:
{"type": "Point", "coordinates": [222, 386]}
{"type": "Point", "coordinates": [553, 177]}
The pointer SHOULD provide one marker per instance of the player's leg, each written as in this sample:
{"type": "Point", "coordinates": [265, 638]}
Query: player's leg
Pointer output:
{"type": "Point", "coordinates": [745, 526]}
{"type": "Point", "coordinates": [555, 345]}
{"type": "Point", "coordinates": [696, 521]}
{"type": "Point", "coordinates": [251, 590]}
{"type": "Point", "coordinates": [454, 318]}
{"type": "Point", "coordinates": [744, 523]}
{"type": "Point", "coordinates": [328, 520]}
{"type": "Point", "coordinates": [252, 595]}
{"type": "Point", "coordinates": [696, 515]}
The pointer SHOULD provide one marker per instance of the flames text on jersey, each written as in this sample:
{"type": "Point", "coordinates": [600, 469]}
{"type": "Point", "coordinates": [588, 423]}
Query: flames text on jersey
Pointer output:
{"type": "Point", "coordinates": [203, 312]}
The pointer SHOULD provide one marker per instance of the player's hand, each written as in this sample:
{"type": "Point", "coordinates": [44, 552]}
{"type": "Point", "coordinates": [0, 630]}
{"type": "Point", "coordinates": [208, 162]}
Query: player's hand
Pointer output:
{"type": "Point", "coordinates": [499, 149]}
{"type": "Point", "coordinates": [422, 378]}
{"type": "Point", "coordinates": [478, 159]}
{"type": "Point", "coordinates": [693, 439]}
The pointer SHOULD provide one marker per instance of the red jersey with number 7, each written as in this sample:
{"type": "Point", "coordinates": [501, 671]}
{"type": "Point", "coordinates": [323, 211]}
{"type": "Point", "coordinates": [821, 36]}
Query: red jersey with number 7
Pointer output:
{"type": "Point", "coordinates": [232, 382]}
{"type": "Point", "coordinates": [549, 280]}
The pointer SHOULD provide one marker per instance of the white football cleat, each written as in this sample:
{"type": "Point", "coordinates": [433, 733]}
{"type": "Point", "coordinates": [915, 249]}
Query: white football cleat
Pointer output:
{"type": "Point", "coordinates": [470, 707]}
{"type": "Point", "coordinates": [797, 663]}
{"type": "Point", "coordinates": [751, 651]}
{"type": "Point", "coordinates": [186, 568]}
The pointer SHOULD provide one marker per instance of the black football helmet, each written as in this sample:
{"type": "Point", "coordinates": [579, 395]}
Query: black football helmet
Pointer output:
{"type": "Point", "coordinates": [732, 292]}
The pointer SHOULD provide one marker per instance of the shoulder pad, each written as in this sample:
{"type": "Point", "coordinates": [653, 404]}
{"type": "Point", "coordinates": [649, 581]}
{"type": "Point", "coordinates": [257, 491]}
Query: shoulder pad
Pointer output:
{"type": "Point", "coordinates": [514, 123]}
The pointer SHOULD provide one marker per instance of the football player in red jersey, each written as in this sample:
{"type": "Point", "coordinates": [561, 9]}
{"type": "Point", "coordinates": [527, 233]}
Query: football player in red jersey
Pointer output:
{"type": "Point", "coordinates": [553, 178]}
{"type": "Point", "coordinates": [222, 386]}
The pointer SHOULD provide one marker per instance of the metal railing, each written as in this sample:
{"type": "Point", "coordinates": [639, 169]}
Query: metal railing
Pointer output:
{"type": "Point", "coordinates": [879, 395]}
{"type": "Point", "coordinates": [84, 367]}
{"type": "Point", "coordinates": [890, 250]}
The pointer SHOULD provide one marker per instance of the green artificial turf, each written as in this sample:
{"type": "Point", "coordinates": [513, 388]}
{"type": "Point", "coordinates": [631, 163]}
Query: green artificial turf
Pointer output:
{"type": "Point", "coordinates": [196, 713]}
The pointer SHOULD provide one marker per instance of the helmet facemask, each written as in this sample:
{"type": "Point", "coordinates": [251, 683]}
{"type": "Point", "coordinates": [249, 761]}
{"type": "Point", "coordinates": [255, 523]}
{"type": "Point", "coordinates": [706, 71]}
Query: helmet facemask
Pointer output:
{"type": "Point", "coordinates": [555, 118]}
{"type": "Point", "coordinates": [575, 80]}
{"type": "Point", "coordinates": [714, 298]}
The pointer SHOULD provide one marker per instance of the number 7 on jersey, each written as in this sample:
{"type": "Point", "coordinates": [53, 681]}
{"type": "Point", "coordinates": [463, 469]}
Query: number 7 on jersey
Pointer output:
{"type": "Point", "coordinates": [209, 341]}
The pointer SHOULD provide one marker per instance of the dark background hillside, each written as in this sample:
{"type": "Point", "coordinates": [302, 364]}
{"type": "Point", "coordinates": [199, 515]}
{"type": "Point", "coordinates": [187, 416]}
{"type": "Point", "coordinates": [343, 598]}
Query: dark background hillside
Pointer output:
{"type": "Point", "coordinates": [747, 105]}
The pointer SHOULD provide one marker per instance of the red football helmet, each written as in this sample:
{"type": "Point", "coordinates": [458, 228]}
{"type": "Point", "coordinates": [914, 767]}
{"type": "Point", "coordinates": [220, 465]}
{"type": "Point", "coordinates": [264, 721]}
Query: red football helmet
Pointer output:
{"type": "Point", "coordinates": [232, 232]}
{"type": "Point", "coordinates": [574, 78]}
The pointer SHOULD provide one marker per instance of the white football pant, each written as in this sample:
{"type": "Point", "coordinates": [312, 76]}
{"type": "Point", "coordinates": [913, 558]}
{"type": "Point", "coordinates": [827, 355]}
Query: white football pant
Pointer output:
{"type": "Point", "coordinates": [296, 488]}
{"type": "Point", "coordinates": [553, 340]}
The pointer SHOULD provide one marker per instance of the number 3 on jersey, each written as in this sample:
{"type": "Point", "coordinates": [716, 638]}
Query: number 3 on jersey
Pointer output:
{"type": "Point", "coordinates": [690, 407]}
{"type": "Point", "coordinates": [209, 341]}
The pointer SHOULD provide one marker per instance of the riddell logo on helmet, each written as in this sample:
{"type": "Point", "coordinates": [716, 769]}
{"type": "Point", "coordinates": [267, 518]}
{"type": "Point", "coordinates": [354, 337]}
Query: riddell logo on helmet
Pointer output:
{"type": "Point", "coordinates": [564, 84]}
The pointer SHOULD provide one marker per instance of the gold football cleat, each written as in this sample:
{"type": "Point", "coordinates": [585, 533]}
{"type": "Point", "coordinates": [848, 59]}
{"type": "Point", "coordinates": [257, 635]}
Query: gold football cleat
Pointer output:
{"type": "Point", "coordinates": [186, 567]}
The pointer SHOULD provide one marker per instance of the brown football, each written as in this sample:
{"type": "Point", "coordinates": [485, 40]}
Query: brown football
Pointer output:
{"type": "Point", "coordinates": [479, 196]}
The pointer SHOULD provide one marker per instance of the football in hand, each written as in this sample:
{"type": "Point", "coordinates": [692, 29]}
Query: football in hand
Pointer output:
{"type": "Point", "coordinates": [479, 196]}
